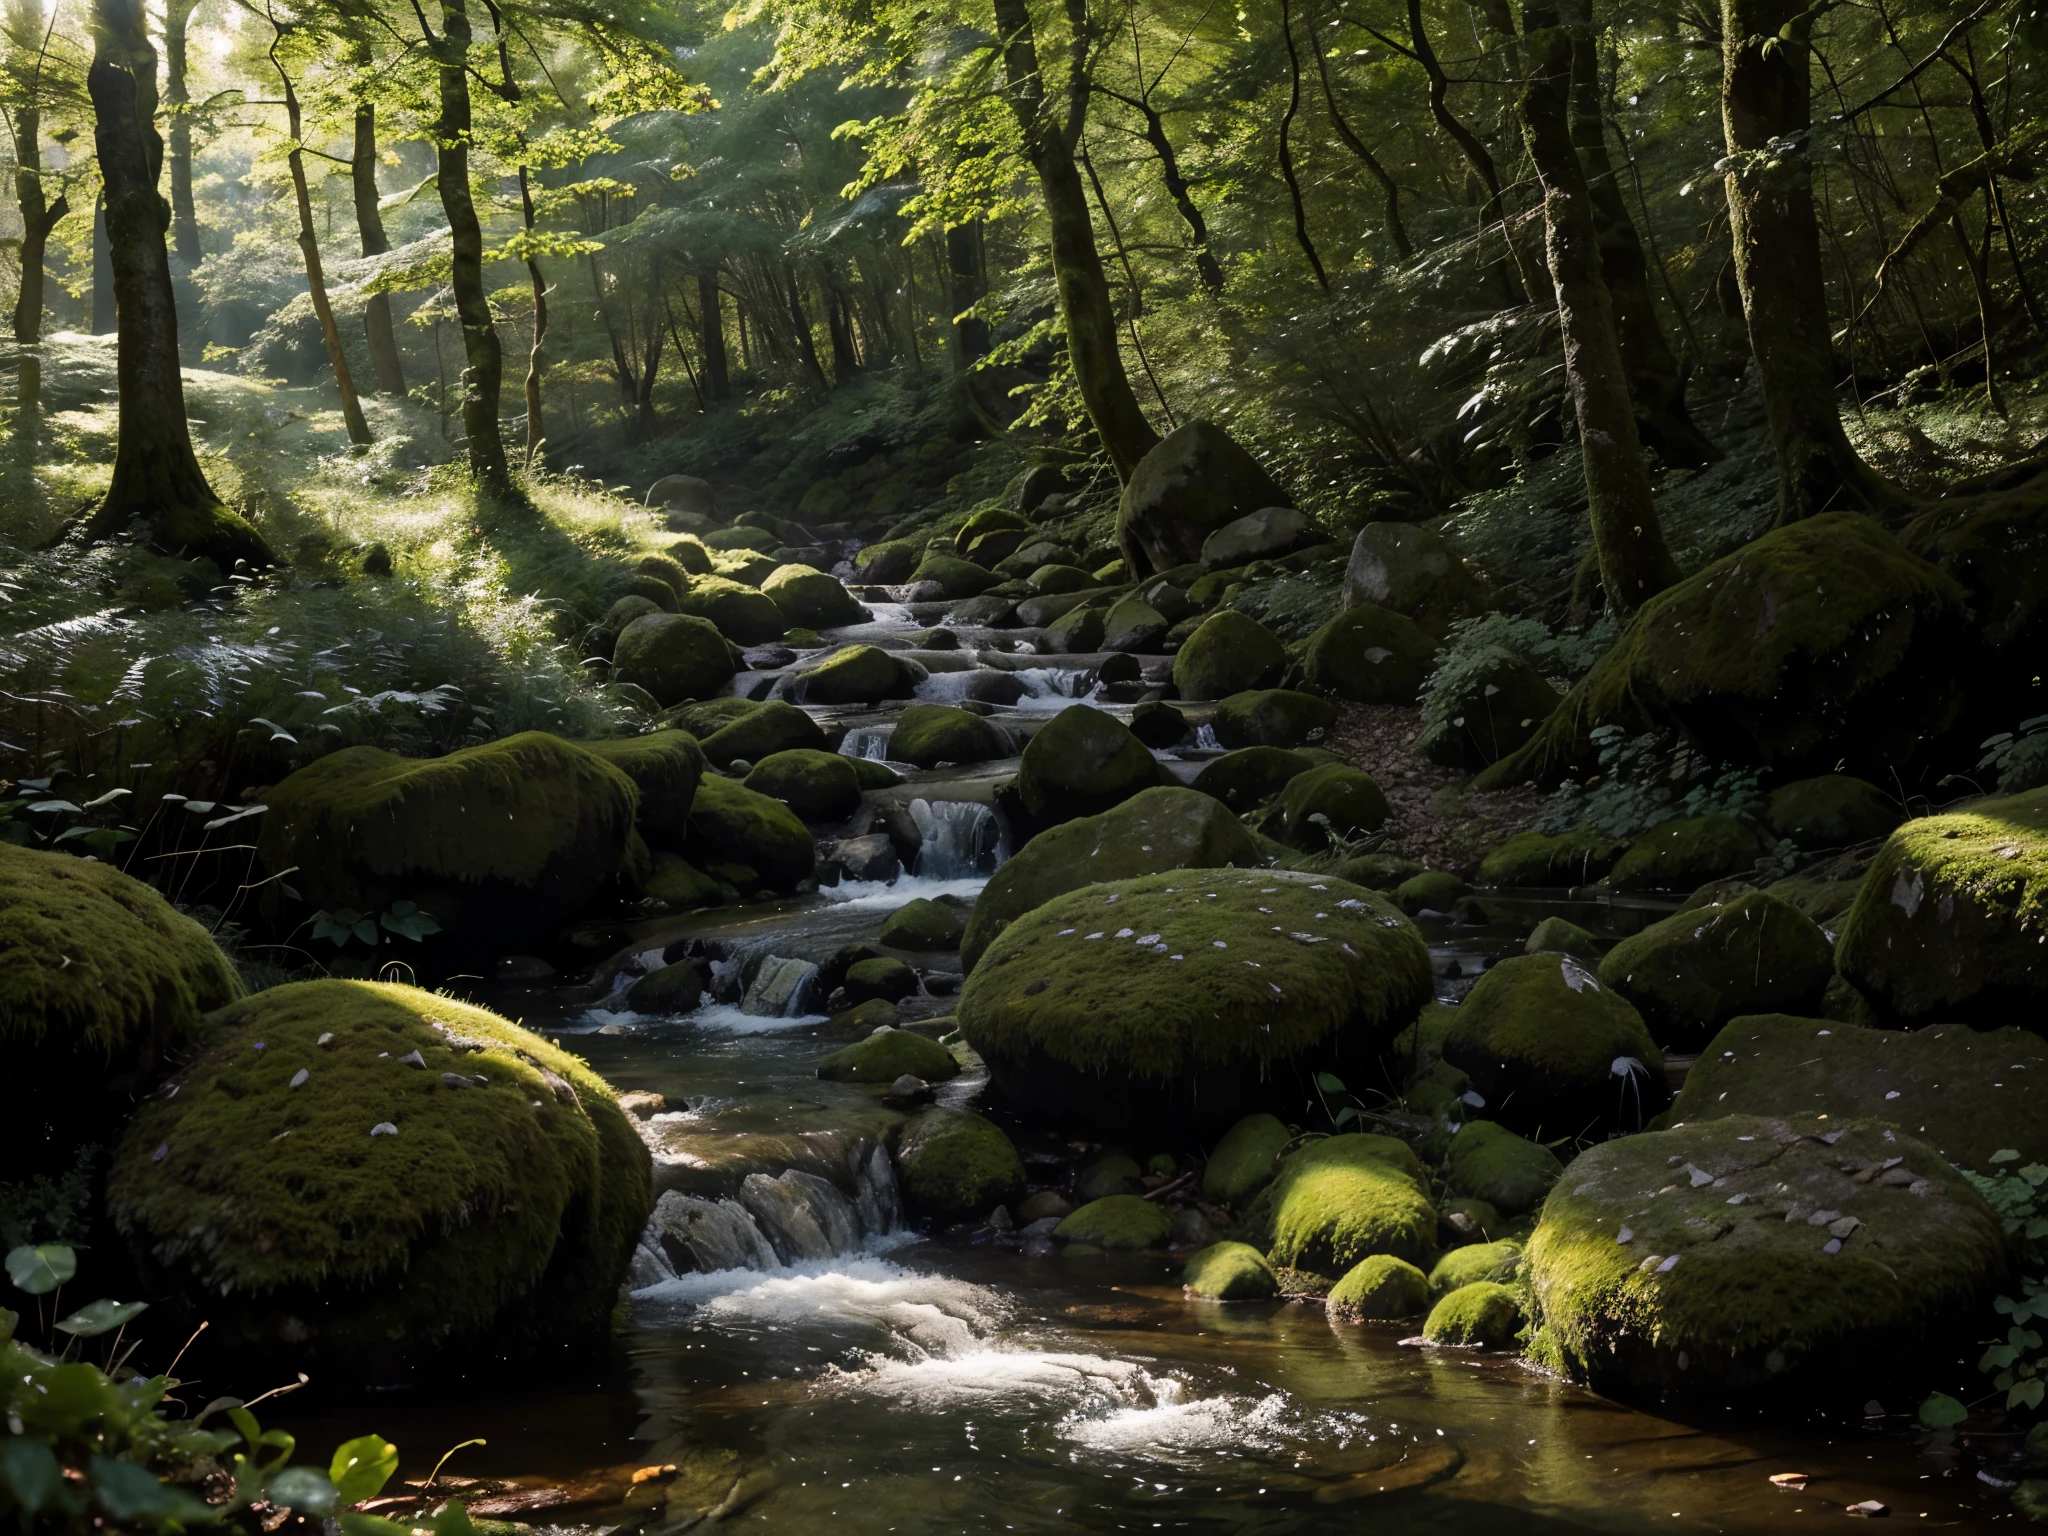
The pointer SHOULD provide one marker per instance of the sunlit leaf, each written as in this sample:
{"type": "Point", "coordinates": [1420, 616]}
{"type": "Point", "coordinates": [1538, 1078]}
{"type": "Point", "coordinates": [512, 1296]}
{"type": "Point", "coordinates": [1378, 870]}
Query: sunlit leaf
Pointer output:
{"type": "Point", "coordinates": [361, 1467]}
{"type": "Point", "coordinates": [41, 1270]}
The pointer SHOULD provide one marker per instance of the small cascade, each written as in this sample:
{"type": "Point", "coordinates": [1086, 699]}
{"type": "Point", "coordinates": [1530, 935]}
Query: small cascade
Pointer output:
{"type": "Point", "coordinates": [960, 839]}
{"type": "Point", "coordinates": [868, 742]}
{"type": "Point", "coordinates": [780, 988]}
{"type": "Point", "coordinates": [1205, 739]}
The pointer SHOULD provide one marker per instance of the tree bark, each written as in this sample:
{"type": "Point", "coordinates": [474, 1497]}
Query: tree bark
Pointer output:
{"type": "Point", "coordinates": [536, 360]}
{"type": "Point", "coordinates": [157, 482]}
{"type": "Point", "coordinates": [102, 268]}
{"type": "Point", "coordinates": [184, 216]}
{"type": "Point", "coordinates": [377, 328]}
{"type": "Point", "coordinates": [839, 330]}
{"type": "Point", "coordinates": [966, 286]}
{"type": "Point", "coordinates": [1627, 538]}
{"type": "Point", "coordinates": [711, 323]}
{"type": "Point", "coordinates": [1389, 190]}
{"type": "Point", "coordinates": [1287, 171]}
{"type": "Point", "coordinates": [800, 323]}
{"type": "Point", "coordinates": [1206, 266]}
{"type": "Point", "coordinates": [39, 215]}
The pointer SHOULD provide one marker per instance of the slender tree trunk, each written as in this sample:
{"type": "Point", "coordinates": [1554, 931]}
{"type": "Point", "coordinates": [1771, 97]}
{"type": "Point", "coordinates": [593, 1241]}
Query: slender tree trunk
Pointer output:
{"type": "Point", "coordinates": [1513, 288]}
{"type": "Point", "coordinates": [1287, 171]}
{"type": "Point", "coordinates": [377, 328]}
{"type": "Point", "coordinates": [800, 323]}
{"type": "Point", "coordinates": [711, 324]}
{"type": "Point", "coordinates": [966, 286]}
{"type": "Point", "coordinates": [536, 360]}
{"type": "Point", "coordinates": [1634, 563]}
{"type": "Point", "coordinates": [184, 216]}
{"type": "Point", "coordinates": [39, 215]}
{"type": "Point", "coordinates": [1177, 188]}
{"type": "Point", "coordinates": [157, 481]}
{"type": "Point", "coordinates": [1767, 115]}
{"type": "Point", "coordinates": [643, 397]}
{"type": "Point", "coordinates": [839, 331]}
{"type": "Point", "coordinates": [1396, 229]}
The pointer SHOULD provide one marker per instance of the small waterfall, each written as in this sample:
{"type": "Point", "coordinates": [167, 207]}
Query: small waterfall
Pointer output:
{"type": "Point", "coordinates": [960, 839]}
{"type": "Point", "coordinates": [1205, 739]}
{"type": "Point", "coordinates": [868, 742]}
{"type": "Point", "coordinates": [780, 988]}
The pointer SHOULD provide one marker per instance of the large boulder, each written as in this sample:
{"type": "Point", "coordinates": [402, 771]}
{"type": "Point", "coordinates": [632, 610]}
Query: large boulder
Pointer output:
{"type": "Point", "coordinates": [888, 1054]}
{"type": "Point", "coordinates": [1753, 1254]}
{"type": "Point", "coordinates": [1272, 717]}
{"type": "Point", "coordinates": [755, 731]}
{"type": "Point", "coordinates": [666, 767]}
{"type": "Point", "coordinates": [923, 926]}
{"type": "Point", "coordinates": [1578, 857]}
{"type": "Point", "coordinates": [1413, 571]}
{"type": "Point", "coordinates": [1245, 1160]}
{"type": "Point", "coordinates": [956, 578]}
{"type": "Point", "coordinates": [1381, 1287]}
{"type": "Point", "coordinates": [1553, 1052]}
{"type": "Point", "coordinates": [1687, 851]}
{"type": "Point", "coordinates": [854, 674]}
{"type": "Point", "coordinates": [930, 734]}
{"type": "Point", "coordinates": [1970, 1094]}
{"type": "Point", "coordinates": [1230, 653]}
{"type": "Point", "coordinates": [1370, 655]}
{"type": "Point", "coordinates": [1077, 632]}
{"type": "Point", "coordinates": [1193, 482]}
{"type": "Point", "coordinates": [1155, 830]}
{"type": "Point", "coordinates": [1190, 999]}
{"type": "Point", "coordinates": [811, 599]}
{"type": "Point", "coordinates": [1949, 923]}
{"type": "Point", "coordinates": [1246, 779]}
{"type": "Point", "coordinates": [733, 825]}
{"type": "Point", "coordinates": [683, 493]}
{"type": "Point", "coordinates": [1334, 802]}
{"type": "Point", "coordinates": [674, 656]}
{"type": "Point", "coordinates": [740, 613]}
{"type": "Point", "coordinates": [1509, 1172]}
{"type": "Point", "coordinates": [1080, 763]}
{"type": "Point", "coordinates": [1266, 534]}
{"type": "Point", "coordinates": [378, 1178]}
{"type": "Point", "coordinates": [1824, 645]}
{"type": "Point", "coordinates": [1831, 811]}
{"type": "Point", "coordinates": [952, 1162]}
{"type": "Point", "coordinates": [1496, 704]}
{"type": "Point", "coordinates": [1134, 626]}
{"type": "Point", "coordinates": [1693, 972]}
{"type": "Point", "coordinates": [501, 843]}
{"type": "Point", "coordinates": [818, 786]}
{"type": "Point", "coordinates": [102, 982]}
{"type": "Point", "coordinates": [1343, 1199]}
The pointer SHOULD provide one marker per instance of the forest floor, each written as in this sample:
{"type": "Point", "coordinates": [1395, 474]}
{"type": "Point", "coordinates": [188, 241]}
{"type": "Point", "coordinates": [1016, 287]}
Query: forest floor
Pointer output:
{"type": "Point", "coordinates": [1435, 820]}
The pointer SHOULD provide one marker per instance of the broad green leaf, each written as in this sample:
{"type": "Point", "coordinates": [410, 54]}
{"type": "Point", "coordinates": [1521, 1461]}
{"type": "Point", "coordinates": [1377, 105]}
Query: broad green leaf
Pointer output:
{"type": "Point", "coordinates": [40, 1271]}
{"type": "Point", "coordinates": [306, 1490]}
{"type": "Point", "coordinates": [2026, 1394]}
{"type": "Point", "coordinates": [29, 1472]}
{"type": "Point", "coordinates": [1329, 1083]}
{"type": "Point", "coordinates": [126, 1491]}
{"type": "Point", "coordinates": [361, 1467]}
{"type": "Point", "coordinates": [101, 1317]}
{"type": "Point", "coordinates": [353, 1524]}
{"type": "Point", "coordinates": [2006, 1155]}
{"type": "Point", "coordinates": [454, 1520]}
{"type": "Point", "coordinates": [1941, 1411]}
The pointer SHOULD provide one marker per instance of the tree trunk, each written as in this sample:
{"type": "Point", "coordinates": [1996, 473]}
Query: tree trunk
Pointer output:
{"type": "Point", "coordinates": [643, 394]}
{"type": "Point", "coordinates": [1177, 186]}
{"type": "Point", "coordinates": [157, 481]}
{"type": "Point", "coordinates": [966, 286]}
{"type": "Point", "coordinates": [536, 360]}
{"type": "Point", "coordinates": [184, 217]}
{"type": "Point", "coordinates": [362, 175]}
{"type": "Point", "coordinates": [711, 322]}
{"type": "Point", "coordinates": [1767, 114]}
{"type": "Point", "coordinates": [316, 276]}
{"type": "Point", "coordinates": [1513, 287]}
{"type": "Point", "coordinates": [800, 323]}
{"type": "Point", "coordinates": [1389, 190]}
{"type": "Point", "coordinates": [1634, 564]}
{"type": "Point", "coordinates": [103, 320]}
{"type": "Point", "coordinates": [1085, 305]}
{"type": "Point", "coordinates": [839, 331]}
{"type": "Point", "coordinates": [26, 30]}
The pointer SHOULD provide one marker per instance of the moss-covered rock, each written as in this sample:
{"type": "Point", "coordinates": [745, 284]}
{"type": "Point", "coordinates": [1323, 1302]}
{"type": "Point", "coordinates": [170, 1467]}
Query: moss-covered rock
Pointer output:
{"type": "Point", "coordinates": [881, 977]}
{"type": "Point", "coordinates": [691, 554]}
{"type": "Point", "coordinates": [1080, 763]}
{"type": "Point", "coordinates": [1832, 811]}
{"type": "Point", "coordinates": [1229, 1272]}
{"type": "Point", "coordinates": [1377, 871]}
{"type": "Point", "coordinates": [675, 882]}
{"type": "Point", "coordinates": [952, 1162]}
{"type": "Point", "coordinates": [1561, 936]}
{"type": "Point", "coordinates": [1112, 1173]}
{"type": "Point", "coordinates": [1950, 921]}
{"type": "Point", "coordinates": [1497, 704]}
{"type": "Point", "coordinates": [742, 536]}
{"type": "Point", "coordinates": [1475, 1264]}
{"type": "Point", "coordinates": [665, 766]}
{"type": "Point", "coordinates": [1677, 855]}
{"type": "Point", "coordinates": [674, 656]}
{"type": "Point", "coordinates": [501, 843]}
{"type": "Point", "coordinates": [1578, 857]}
{"type": "Point", "coordinates": [101, 982]}
{"type": "Point", "coordinates": [1194, 481]}
{"type": "Point", "coordinates": [1377, 1288]}
{"type": "Point", "coordinates": [1048, 579]}
{"type": "Point", "coordinates": [1752, 1253]}
{"type": "Point", "coordinates": [854, 674]}
{"type": "Point", "coordinates": [673, 988]}
{"type": "Point", "coordinates": [1414, 571]}
{"type": "Point", "coordinates": [1434, 890]}
{"type": "Point", "coordinates": [1827, 902]}
{"type": "Point", "coordinates": [736, 825]}
{"type": "Point", "coordinates": [930, 734]}
{"type": "Point", "coordinates": [1132, 625]}
{"type": "Point", "coordinates": [1117, 1221]}
{"type": "Point", "coordinates": [1077, 632]}
{"type": "Point", "coordinates": [1342, 1199]}
{"type": "Point", "coordinates": [602, 638]}
{"type": "Point", "coordinates": [1967, 1093]}
{"type": "Point", "coordinates": [756, 732]}
{"type": "Point", "coordinates": [1246, 779]}
{"type": "Point", "coordinates": [986, 521]}
{"type": "Point", "coordinates": [888, 1054]}
{"type": "Point", "coordinates": [1483, 1315]}
{"type": "Point", "coordinates": [1553, 1052]}
{"type": "Point", "coordinates": [666, 569]}
{"type": "Point", "coordinates": [375, 1177]}
{"type": "Point", "coordinates": [1491, 1163]}
{"type": "Point", "coordinates": [1693, 972]}
{"type": "Point", "coordinates": [924, 926]}
{"type": "Point", "coordinates": [811, 598]}
{"type": "Point", "coordinates": [887, 564]}
{"type": "Point", "coordinates": [1272, 717]}
{"type": "Point", "coordinates": [1334, 802]}
{"type": "Point", "coordinates": [1230, 653]}
{"type": "Point", "coordinates": [956, 578]}
{"type": "Point", "coordinates": [1192, 998]}
{"type": "Point", "coordinates": [1245, 1160]}
{"type": "Point", "coordinates": [741, 614]}
{"type": "Point", "coordinates": [818, 786]}
{"type": "Point", "coordinates": [1370, 655]}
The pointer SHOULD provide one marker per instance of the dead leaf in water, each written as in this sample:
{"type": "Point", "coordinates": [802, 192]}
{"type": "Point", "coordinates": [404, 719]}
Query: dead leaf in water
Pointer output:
{"type": "Point", "coordinates": [1793, 1480]}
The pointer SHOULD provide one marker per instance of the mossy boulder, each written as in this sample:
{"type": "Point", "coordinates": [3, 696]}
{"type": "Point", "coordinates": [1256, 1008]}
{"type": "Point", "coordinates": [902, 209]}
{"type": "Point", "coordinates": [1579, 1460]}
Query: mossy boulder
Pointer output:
{"type": "Point", "coordinates": [1498, 702]}
{"type": "Point", "coordinates": [602, 638]}
{"type": "Point", "coordinates": [923, 926]}
{"type": "Point", "coordinates": [1693, 972]}
{"type": "Point", "coordinates": [1416, 572]}
{"type": "Point", "coordinates": [1490, 1162]}
{"type": "Point", "coordinates": [102, 982]}
{"type": "Point", "coordinates": [1155, 830]}
{"type": "Point", "coordinates": [674, 656]}
{"type": "Point", "coordinates": [376, 1177]}
{"type": "Point", "coordinates": [1483, 1315]}
{"type": "Point", "coordinates": [854, 674]}
{"type": "Point", "coordinates": [1132, 625]}
{"type": "Point", "coordinates": [986, 521]}
{"type": "Point", "coordinates": [1272, 717]}
{"type": "Point", "coordinates": [1562, 936]}
{"type": "Point", "coordinates": [1370, 655]}
{"type": "Point", "coordinates": [881, 977]}
{"type": "Point", "coordinates": [1246, 779]}
{"type": "Point", "coordinates": [1334, 802]}
{"type": "Point", "coordinates": [811, 598]}
{"type": "Point", "coordinates": [1077, 632]}
{"type": "Point", "coordinates": [888, 1054]}
{"type": "Point", "coordinates": [675, 882]}
{"type": "Point", "coordinates": [691, 555]}
{"type": "Point", "coordinates": [1377, 871]}
{"type": "Point", "coordinates": [666, 767]}
{"type": "Point", "coordinates": [1677, 855]}
{"type": "Point", "coordinates": [759, 731]}
{"type": "Point", "coordinates": [1752, 1254]}
{"type": "Point", "coordinates": [742, 536]}
{"type": "Point", "coordinates": [676, 988]}
{"type": "Point", "coordinates": [1230, 653]}
{"type": "Point", "coordinates": [1049, 579]}
{"type": "Point", "coordinates": [818, 786]}
{"type": "Point", "coordinates": [1342, 1199]}
{"type": "Point", "coordinates": [952, 1162]}
{"type": "Point", "coordinates": [1968, 1093]}
{"type": "Point", "coordinates": [1434, 890]}
{"type": "Point", "coordinates": [956, 578]}
{"type": "Point", "coordinates": [1245, 1160]}
{"type": "Point", "coordinates": [1378, 1288]}
{"type": "Point", "coordinates": [1192, 998]}
{"type": "Point", "coordinates": [1951, 919]}
{"type": "Point", "coordinates": [887, 564]}
{"type": "Point", "coordinates": [930, 734]}
{"type": "Point", "coordinates": [1194, 481]}
{"type": "Point", "coordinates": [501, 843]}
{"type": "Point", "coordinates": [1117, 1221]}
{"type": "Point", "coordinates": [1831, 811]}
{"type": "Point", "coordinates": [1080, 763]}
{"type": "Point", "coordinates": [1554, 1052]}
{"type": "Point", "coordinates": [667, 569]}
{"type": "Point", "coordinates": [1578, 857]}
{"type": "Point", "coordinates": [740, 613]}
{"type": "Point", "coordinates": [1827, 902]}
{"type": "Point", "coordinates": [1113, 1173]}
{"type": "Point", "coordinates": [1475, 1264]}
{"type": "Point", "coordinates": [732, 824]}
{"type": "Point", "coordinates": [1229, 1272]}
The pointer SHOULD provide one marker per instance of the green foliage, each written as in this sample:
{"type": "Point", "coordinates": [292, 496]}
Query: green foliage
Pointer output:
{"type": "Point", "coordinates": [1563, 653]}
{"type": "Point", "coordinates": [1646, 779]}
{"type": "Point", "coordinates": [2016, 1363]}
{"type": "Point", "coordinates": [2019, 757]}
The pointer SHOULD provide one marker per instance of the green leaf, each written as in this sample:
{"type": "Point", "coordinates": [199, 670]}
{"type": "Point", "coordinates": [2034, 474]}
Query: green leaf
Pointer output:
{"type": "Point", "coordinates": [101, 1317]}
{"type": "Point", "coordinates": [2026, 1394]}
{"type": "Point", "coordinates": [126, 1491]}
{"type": "Point", "coordinates": [353, 1524]}
{"type": "Point", "coordinates": [362, 1467]}
{"type": "Point", "coordinates": [30, 1473]}
{"type": "Point", "coordinates": [1329, 1083]}
{"type": "Point", "coordinates": [306, 1490]}
{"type": "Point", "coordinates": [245, 1421]}
{"type": "Point", "coordinates": [1941, 1411]}
{"type": "Point", "coordinates": [454, 1520]}
{"type": "Point", "coordinates": [408, 921]}
{"type": "Point", "coordinates": [40, 1271]}
{"type": "Point", "coordinates": [2006, 1155]}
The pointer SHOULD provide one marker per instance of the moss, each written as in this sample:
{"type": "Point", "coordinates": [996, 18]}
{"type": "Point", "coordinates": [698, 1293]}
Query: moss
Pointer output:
{"type": "Point", "coordinates": [1496, 703]}
{"type": "Point", "coordinates": [1475, 1264]}
{"type": "Point", "coordinates": [818, 786]}
{"type": "Point", "coordinates": [1369, 655]}
{"type": "Point", "coordinates": [502, 1211]}
{"type": "Point", "coordinates": [1153, 831]}
{"type": "Point", "coordinates": [1332, 802]}
{"type": "Point", "coordinates": [1967, 1093]}
{"type": "Point", "coordinates": [1466, 1221]}
{"type": "Point", "coordinates": [731, 823]}
{"type": "Point", "coordinates": [1246, 779]}
{"type": "Point", "coordinates": [665, 568]}
{"type": "Point", "coordinates": [1540, 858]}
{"type": "Point", "coordinates": [811, 598]}
{"type": "Point", "coordinates": [1377, 871]}
{"type": "Point", "coordinates": [749, 568]}
{"type": "Point", "coordinates": [1050, 579]}
{"type": "Point", "coordinates": [1272, 717]}
{"type": "Point", "coordinates": [887, 563]}
{"type": "Point", "coordinates": [689, 552]}
{"type": "Point", "coordinates": [1677, 855]}
{"type": "Point", "coordinates": [1245, 1160]}
{"type": "Point", "coordinates": [706, 717]}
{"type": "Point", "coordinates": [1376, 1288]}
{"type": "Point", "coordinates": [675, 882]}
{"type": "Point", "coordinates": [1827, 902]}
{"type": "Point", "coordinates": [1344, 1198]}
{"type": "Point", "coordinates": [853, 674]}
{"type": "Point", "coordinates": [1416, 571]}
{"type": "Point", "coordinates": [1077, 632]}
{"type": "Point", "coordinates": [1133, 625]}
{"type": "Point", "coordinates": [988, 520]}
{"type": "Point", "coordinates": [676, 988]}
{"type": "Point", "coordinates": [742, 536]}
{"type": "Point", "coordinates": [673, 656]}
{"type": "Point", "coordinates": [1080, 763]}
{"type": "Point", "coordinates": [1541, 1036]}
{"type": "Point", "coordinates": [881, 977]}
{"type": "Point", "coordinates": [1832, 811]}
{"type": "Point", "coordinates": [924, 926]}
{"type": "Point", "coordinates": [1491, 1163]}
{"type": "Point", "coordinates": [759, 731]}
{"type": "Point", "coordinates": [1113, 1173]}
{"type": "Point", "coordinates": [1230, 653]}
{"type": "Point", "coordinates": [602, 638]}
{"type": "Point", "coordinates": [930, 734]}
{"type": "Point", "coordinates": [1560, 936]}
{"type": "Point", "coordinates": [870, 774]}
{"type": "Point", "coordinates": [1758, 1253]}
{"type": "Point", "coordinates": [1117, 1221]}
{"type": "Point", "coordinates": [739, 612]}
{"type": "Point", "coordinates": [1192, 482]}
{"type": "Point", "coordinates": [1229, 1272]}
{"type": "Point", "coordinates": [952, 1162]}
{"type": "Point", "coordinates": [861, 1020]}
{"type": "Point", "coordinates": [1197, 996]}
{"type": "Point", "coordinates": [957, 578]}
{"type": "Point", "coordinates": [1951, 919]}
{"type": "Point", "coordinates": [666, 767]}
{"type": "Point", "coordinates": [1693, 972]}
{"type": "Point", "coordinates": [1434, 890]}
{"type": "Point", "coordinates": [1483, 1315]}
{"type": "Point", "coordinates": [887, 1055]}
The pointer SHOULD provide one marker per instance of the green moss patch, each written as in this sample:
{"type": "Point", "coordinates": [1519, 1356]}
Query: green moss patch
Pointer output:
{"type": "Point", "coordinates": [1510, 1173]}
{"type": "Point", "coordinates": [923, 926]}
{"type": "Point", "coordinates": [1483, 1315]}
{"type": "Point", "coordinates": [1342, 1199]}
{"type": "Point", "coordinates": [1245, 1160]}
{"type": "Point", "coordinates": [952, 1162]}
{"type": "Point", "coordinates": [888, 1054]}
{"type": "Point", "coordinates": [1475, 1264]}
{"type": "Point", "coordinates": [1677, 855]}
{"type": "Point", "coordinates": [1230, 653]}
{"type": "Point", "coordinates": [811, 598]}
{"type": "Point", "coordinates": [1370, 655]}
{"type": "Point", "coordinates": [817, 786]}
{"type": "Point", "coordinates": [740, 613]}
{"type": "Point", "coordinates": [1246, 779]}
{"type": "Point", "coordinates": [754, 731]}
{"type": "Point", "coordinates": [1380, 1287]}
{"type": "Point", "coordinates": [1272, 717]}
{"type": "Point", "coordinates": [666, 767]}
{"type": "Point", "coordinates": [1117, 1221]}
{"type": "Point", "coordinates": [930, 734]}
{"type": "Point", "coordinates": [1229, 1272]}
{"type": "Point", "coordinates": [1331, 803]}
{"type": "Point", "coordinates": [854, 674]}
{"type": "Point", "coordinates": [1691, 973]}
{"type": "Point", "coordinates": [1080, 763]}
{"type": "Point", "coordinates": [730, 823]}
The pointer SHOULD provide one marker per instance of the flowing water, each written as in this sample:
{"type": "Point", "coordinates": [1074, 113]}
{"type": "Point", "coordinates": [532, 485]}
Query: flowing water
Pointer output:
{"type": "Point", "coordinates": [808, 1364]}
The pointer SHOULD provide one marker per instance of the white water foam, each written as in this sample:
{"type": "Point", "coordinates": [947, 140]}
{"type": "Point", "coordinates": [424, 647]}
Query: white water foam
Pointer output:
{"type": "Point", "coordinates": [887, 895]}
{"type": "Point", "coordinates": [732, 1019]}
